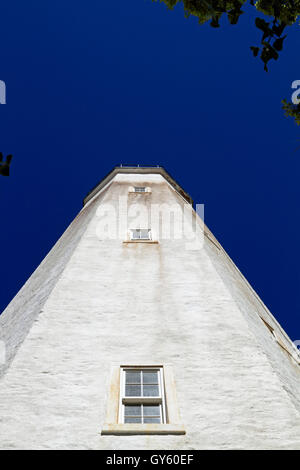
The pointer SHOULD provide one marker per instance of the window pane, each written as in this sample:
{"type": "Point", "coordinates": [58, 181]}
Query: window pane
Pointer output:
{"type": "Point", "coordinates": [145, 233]}
{"type": "Point", "coordinates": [150, 391]}
{"type": "Point", "coordinates": [150, 377]}
{"type": "Point", "coordinates": [133, 410]}
{"type": "Point", "coordinates": [152, 420]}
{"type": "Point", "coordinates": [129, 419]}
{"type": "Point", "coordinates": [132, 377]}
{"type": "Point", "coordinates": [136, 233]}
{"type": "Point", "coordinates": [151, 410]}
{"type": "Point", "coordinates": [133, 391]}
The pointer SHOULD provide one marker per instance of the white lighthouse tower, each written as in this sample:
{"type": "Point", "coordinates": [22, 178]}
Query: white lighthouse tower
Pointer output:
{"type": "Point", "coordinates": [137, 331]}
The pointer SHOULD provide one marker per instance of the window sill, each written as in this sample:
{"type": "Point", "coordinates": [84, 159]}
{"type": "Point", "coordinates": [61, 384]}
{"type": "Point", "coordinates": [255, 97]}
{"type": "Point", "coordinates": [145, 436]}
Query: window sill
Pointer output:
{"type": "Point", "coordinates": [130, 429]}
{"type": "Point", "coordinates": [141, 241]}
{"type": "Point", "coordinates": [139, 192]}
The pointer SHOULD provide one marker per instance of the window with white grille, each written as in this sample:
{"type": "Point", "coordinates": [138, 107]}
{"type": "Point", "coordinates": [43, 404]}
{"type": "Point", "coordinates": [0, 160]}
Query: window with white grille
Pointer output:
{"type": "Point", "coordinates": [139, 189]}
{"type": "Point", "coordinates": [142, 396]}
{"type": "Point", "coordinates": [142, 400]}
{"type": "Point", "coordinates": [140, 234]}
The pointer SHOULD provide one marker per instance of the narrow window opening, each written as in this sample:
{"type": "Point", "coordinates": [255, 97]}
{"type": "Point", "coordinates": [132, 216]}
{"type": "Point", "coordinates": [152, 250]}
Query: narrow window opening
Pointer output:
{"type": "Point", "coordinates": [277, 338]}
{"type": "Point", "coordinates": [270, 328]}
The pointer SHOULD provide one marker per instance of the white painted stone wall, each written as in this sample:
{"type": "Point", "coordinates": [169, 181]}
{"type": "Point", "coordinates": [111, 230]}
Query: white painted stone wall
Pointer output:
{"type": "Point", "coordinates": [93, 303]}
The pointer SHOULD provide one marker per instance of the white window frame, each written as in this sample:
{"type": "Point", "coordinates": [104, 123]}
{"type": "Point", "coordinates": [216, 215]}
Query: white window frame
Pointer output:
{"type": "Point", "coordinates": [132, 230]}
{"type": "Point", "coordinates": [140, 190]}
{"type": "Point", "coordinates": [155, 400]}
{"type": "Point", "coordinates": [114, 424]}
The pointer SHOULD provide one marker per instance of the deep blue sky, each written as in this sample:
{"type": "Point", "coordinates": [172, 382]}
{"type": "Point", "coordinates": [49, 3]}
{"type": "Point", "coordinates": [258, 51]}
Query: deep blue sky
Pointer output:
{"type": "Point", "coordinates": [94, 84]}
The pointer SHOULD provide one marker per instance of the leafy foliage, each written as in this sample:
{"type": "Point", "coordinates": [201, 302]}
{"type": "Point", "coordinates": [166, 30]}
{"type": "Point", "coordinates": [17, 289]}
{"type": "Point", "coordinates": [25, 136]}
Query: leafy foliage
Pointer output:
{"type": "Point", "coordinates": [283, 13]}
{"type": "Point", "coordinates": [210, 10]}
{"type": "Point", "coordinates": [4, 166]}
{"type": "Point", "coordinates": [292, 110]}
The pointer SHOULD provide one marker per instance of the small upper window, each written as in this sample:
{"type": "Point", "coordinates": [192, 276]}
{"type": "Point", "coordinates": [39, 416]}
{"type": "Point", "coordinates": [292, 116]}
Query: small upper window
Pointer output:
{"type": "Point", "coordinates": [139, 189]}
{"type": "Point", "coordinates": [141, 234]}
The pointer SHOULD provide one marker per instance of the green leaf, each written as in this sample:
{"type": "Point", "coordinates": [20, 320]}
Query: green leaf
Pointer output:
{"type": "Point", "coordinates": [255, 50]}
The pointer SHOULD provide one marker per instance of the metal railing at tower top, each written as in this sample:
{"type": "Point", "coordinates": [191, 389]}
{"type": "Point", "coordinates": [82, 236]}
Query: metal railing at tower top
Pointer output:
{"type": "Point", "coordinates": [139, 166]}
